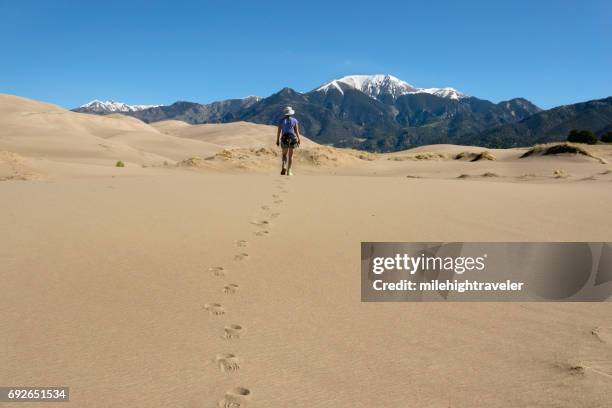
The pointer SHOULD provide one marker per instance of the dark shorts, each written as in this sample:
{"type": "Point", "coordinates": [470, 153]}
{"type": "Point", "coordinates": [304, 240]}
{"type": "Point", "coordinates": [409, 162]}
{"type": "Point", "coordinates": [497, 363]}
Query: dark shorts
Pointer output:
{"type": "Point", "coordinates": [289, 140]}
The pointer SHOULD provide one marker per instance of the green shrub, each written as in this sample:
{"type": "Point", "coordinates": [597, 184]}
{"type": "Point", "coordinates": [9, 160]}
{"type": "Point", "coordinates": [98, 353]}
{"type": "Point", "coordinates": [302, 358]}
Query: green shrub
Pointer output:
{"type": "Point", "coordinates": [119, 164]}
{"type": "Point", "coordinates": [582, 136]}
{"type": "Point", "coordinates": [606, 137]}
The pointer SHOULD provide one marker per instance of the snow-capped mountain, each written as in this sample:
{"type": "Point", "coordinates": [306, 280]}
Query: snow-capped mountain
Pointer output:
{"type": "Point", "coordinates": [105, 107]}
{"type": "Point", "coordinates": [450, 93]}
{"type": "Point", "coordinates": [251, 98]}
{"type": "Point", "coordinates": [371, 85]}
{"type": "Point", "coordinates": [379, 86]}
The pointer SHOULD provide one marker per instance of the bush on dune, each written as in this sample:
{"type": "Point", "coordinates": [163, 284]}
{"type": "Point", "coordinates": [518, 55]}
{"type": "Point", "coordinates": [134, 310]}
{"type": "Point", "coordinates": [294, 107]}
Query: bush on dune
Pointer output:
{"type": "Point", "coordinates": [582, 136]}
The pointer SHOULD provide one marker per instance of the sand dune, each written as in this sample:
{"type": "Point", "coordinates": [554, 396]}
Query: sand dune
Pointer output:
{"type": "Point", "coordinates": [217, 282]}
{"type": "Point", "coordinates": [34, 129]}
{"type": "Point", "coordinates": [573, 150]}
{"type": "Point", "coordinates": [228, 135]}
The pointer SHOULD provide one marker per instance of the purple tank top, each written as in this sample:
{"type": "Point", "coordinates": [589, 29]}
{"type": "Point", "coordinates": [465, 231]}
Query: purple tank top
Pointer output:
{"type": "Point", "coordinates": [288, 125]}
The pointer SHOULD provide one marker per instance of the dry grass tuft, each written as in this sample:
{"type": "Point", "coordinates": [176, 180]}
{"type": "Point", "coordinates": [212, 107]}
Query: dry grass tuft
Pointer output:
{"type": "Point", "coordinates": [191, 162]}
{"type": "Point", "coordinates": [560, 148]}
{"type": "Point", "coordinates": [421, 156]}
{"type": "Point", "coordinates": [471, 156]}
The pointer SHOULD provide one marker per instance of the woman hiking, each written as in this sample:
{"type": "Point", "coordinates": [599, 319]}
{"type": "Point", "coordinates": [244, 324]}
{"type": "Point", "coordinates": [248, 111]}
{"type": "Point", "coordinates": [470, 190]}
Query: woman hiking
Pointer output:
{"type": "Point", "coordinates": [288, 137]}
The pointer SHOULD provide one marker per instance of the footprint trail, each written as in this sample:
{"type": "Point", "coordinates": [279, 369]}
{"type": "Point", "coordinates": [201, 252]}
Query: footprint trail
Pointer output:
{"type": "Point", "coordinates": [228, 362]}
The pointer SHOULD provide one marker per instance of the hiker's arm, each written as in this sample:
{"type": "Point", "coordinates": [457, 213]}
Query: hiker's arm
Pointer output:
{"type": "Point", "coordinates": [297, 132]}
{"type": "Point", "coordinates": [278, 131]}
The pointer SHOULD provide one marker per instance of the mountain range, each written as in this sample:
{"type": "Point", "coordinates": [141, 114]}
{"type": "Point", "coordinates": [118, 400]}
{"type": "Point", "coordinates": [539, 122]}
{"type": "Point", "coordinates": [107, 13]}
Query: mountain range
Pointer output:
{"type": "Point", "coordinates": [384, 113]}
{"type": "Point", "coordinates": [107, 107]}
{"type": "Point", "coordinates": [549, 126]}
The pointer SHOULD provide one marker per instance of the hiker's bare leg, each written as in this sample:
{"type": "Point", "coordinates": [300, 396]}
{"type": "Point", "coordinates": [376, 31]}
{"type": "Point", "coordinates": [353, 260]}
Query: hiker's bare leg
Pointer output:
{"type": "Point", "coordinates": [290, 158]}
{"type": "Point", "coordinates": [285, 158]}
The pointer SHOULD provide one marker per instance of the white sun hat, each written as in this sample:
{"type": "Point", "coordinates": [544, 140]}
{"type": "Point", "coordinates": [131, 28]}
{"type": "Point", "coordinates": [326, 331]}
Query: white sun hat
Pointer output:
{"type": "Point", "coordinates": [288, 111]}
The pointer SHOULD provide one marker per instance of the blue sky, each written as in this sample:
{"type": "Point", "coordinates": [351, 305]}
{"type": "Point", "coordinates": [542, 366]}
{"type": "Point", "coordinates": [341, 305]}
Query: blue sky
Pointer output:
{"type": "Point", "coordinates": [69, 52]}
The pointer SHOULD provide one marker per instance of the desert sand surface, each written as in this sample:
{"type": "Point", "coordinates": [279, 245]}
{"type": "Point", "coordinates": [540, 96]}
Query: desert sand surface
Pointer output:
{"type": "Point", "coordinates": [132, 285]}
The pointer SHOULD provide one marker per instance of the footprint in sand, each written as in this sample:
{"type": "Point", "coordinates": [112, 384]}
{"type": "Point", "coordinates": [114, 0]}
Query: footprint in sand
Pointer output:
{"type": "Point", "coordinates": [242, 243]}
{"type": "Point", "coordinates": [214, 309]}
{"type": "Point", "coordinates": [260, 223]}
{"type": "Point", "coordinates": [227, 362]}
{"type": "Point", "coordinates": [274, 215]}
{"type": "Point", "coordinates": [230, 288]}
{"type": "Point", "coordinates": [275, 196]}
{"type": "Point", "coordinates": [236, 398]}
{"type": "Point", "coordinates": [265, 207]}
{"type": "Point", "coordinates": [241, 256]}
{"type": "Point", "coordinates": [592, 356]}
{"type": "Point", "coordinates": [604, 334]}
{"type": "Point", "coordinates": [262, 233]}
{"type": "Point", "coordinates": [233, 331]}
{"type": "Point", "coordinates": [278, 201]}
{"type": "Point", "coordinates": [217, 271]}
